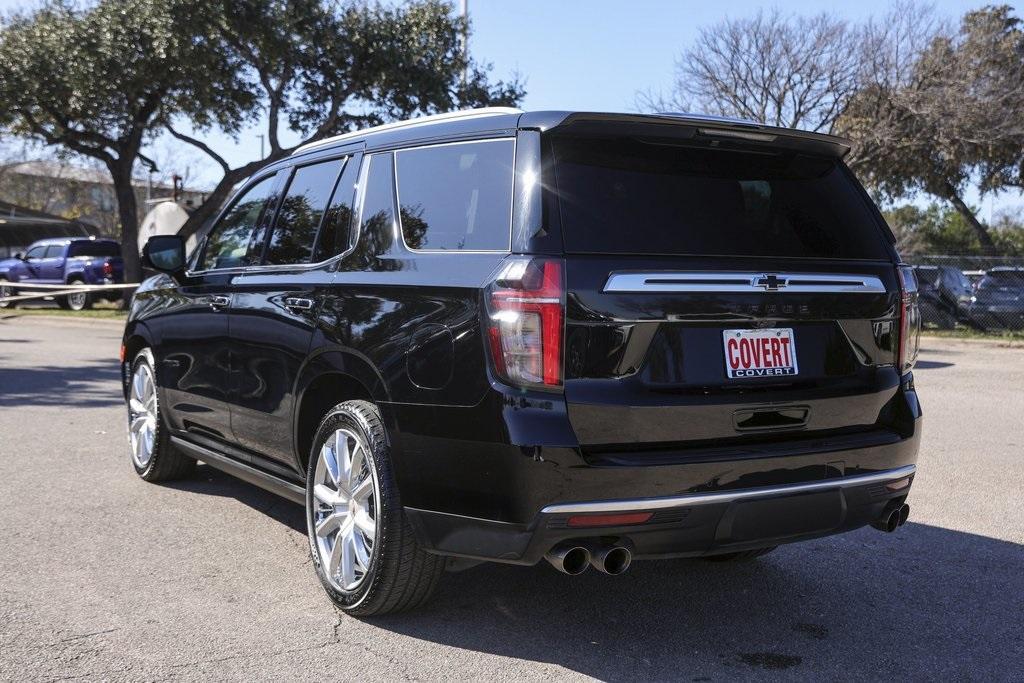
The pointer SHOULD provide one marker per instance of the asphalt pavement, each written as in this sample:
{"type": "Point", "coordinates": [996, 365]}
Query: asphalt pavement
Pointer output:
{"type": "Point", "coordinates": [105, 577]}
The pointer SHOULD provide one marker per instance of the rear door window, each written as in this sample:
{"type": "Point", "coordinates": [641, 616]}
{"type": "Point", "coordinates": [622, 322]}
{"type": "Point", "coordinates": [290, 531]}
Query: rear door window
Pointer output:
{"type": "Point", "coordinates": [626, 195]}
{"type": "Point", "coordinates": [236, 239]}
{"type": "Point", "coordinates": [457, 197]}
{"type": "Point", "coordinates": [302, 210]}
{"type": "Point", "coordinates": [335, 235]}
{"type": "Point", "coordinates": [54, 251]}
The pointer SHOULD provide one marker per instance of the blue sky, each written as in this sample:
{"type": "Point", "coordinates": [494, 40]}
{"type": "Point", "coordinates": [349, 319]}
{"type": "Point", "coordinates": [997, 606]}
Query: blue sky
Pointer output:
{"type": "Point", "coordinates": [579, 54]}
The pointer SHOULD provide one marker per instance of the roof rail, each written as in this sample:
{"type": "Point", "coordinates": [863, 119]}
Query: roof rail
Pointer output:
{"type": "Point", "coordinates": [421, 120]}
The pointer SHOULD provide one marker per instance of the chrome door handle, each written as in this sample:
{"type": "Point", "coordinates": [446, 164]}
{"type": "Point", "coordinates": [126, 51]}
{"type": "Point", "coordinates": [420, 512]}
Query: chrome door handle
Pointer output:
{"type": "Point", "coordinates": [298, 304]}
{"type": "Point", "coordinates": [219, 301]}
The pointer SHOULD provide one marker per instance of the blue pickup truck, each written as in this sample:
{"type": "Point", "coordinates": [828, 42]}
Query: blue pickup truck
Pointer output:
{"type": "Point", "coordinates": [64, 260]}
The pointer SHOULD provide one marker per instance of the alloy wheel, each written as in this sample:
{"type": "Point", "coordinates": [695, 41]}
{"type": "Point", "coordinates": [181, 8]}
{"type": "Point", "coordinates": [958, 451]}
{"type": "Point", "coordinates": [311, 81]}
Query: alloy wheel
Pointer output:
{"type": "Point", "coordinates": [76, 301]}
{"type": "Point", "coordinates": [345, 509]}
{"type": "Point", "coordinates": [142, 415]}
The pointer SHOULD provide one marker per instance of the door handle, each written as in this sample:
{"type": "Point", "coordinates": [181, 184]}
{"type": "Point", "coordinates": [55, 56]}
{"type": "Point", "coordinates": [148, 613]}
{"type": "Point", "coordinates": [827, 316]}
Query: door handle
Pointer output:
{"type": "Point", "coordinates": [219, 301]}
{"type": "Point", "coordinates": [297, 304]}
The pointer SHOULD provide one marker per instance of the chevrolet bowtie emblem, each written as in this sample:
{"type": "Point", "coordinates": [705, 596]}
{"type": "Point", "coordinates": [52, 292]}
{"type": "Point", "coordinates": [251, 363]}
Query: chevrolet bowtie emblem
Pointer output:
{"type": "Point", "coordinates": [770, 282]}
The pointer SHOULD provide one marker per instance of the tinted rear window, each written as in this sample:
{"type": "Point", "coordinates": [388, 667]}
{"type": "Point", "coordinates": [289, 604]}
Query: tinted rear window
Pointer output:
{"type": "Point", "coordinates": [625, 195]}
{"type": "Point", "coordinates": [104, 249]}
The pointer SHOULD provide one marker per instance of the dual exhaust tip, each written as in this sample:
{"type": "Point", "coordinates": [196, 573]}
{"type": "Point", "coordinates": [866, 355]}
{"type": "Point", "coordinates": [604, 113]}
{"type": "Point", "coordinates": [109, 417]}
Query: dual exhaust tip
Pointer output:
{"type": "Point", "coordinates": [892, 518]}
{"type": "Point", "coordinates": [575, 559]}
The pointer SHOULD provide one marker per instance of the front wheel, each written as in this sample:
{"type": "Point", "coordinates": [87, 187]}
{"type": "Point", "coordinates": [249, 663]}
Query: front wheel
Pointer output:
{"type": "Point", "coordinates": [153, 456]}
{"type": "Point", "coordinates": [363, 547]}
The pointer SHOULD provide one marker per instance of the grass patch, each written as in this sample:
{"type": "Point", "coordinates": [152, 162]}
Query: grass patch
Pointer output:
{"type": "Point", "coordinates": [971, 333]}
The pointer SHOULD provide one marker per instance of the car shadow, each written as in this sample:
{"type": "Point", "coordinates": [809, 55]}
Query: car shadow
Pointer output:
{"type": "Point", "coordinates": [932, 365]}
{"type": "Point", "coordinates": [210, 481]}
{"type": "Point", "coordinates": [83, 385]}
{"type": "Point", "coordinates": [922, 602]}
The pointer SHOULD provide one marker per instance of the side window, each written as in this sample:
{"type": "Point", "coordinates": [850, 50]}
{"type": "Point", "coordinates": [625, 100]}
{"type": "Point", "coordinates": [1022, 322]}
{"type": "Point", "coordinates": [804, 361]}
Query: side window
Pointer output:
{"type": "Point", "coordinates": [336, 232]}
{"type": "Point", "coordinates": [54, 251]}
{"type": "Point", "coordinates": [377, 215]}
{"type": "Point", "coordinates": [228, 245]}
{"type": "Point", "coordinates": [302, 209]}
{"type": "Point", "coordinates": [457, 196]}
{"type": "Point", "coordinates": [36, 252]}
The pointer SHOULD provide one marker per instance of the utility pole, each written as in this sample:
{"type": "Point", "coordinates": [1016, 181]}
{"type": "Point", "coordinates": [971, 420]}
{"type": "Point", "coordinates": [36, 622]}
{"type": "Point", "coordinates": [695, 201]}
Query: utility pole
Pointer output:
{"type": "Point", "coordinates": [465, 42]}
{"type": "Point", "coordinates": [261, 137]}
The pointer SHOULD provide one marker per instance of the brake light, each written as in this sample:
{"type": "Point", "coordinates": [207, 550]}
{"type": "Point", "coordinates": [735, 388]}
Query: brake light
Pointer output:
{"type": "Point", "coordinates": [910, 320]}
{"type": "Point", "coordinates": [525, 308]}
{"type": "Point", "coordinates": [108, 268]}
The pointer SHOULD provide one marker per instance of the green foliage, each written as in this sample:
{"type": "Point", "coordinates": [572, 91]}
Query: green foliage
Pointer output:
{"type": "Point", "coordinates": [937, 229]}
{"type": "Point", "coordinates": [939, 117]}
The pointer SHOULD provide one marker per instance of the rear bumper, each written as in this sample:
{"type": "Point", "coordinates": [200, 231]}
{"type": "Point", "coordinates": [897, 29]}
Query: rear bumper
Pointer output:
{"type": "Point", "coordinates": [680, 526]}
{"type": "Point", "coordinates": [506, 493]}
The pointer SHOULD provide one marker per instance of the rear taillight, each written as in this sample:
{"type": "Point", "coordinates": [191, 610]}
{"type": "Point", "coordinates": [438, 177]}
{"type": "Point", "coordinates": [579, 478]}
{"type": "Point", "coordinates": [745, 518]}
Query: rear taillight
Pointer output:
{"type": "Point", "coordinates": [910, 320]}
{"type": "Point", "coordinates": [525, 309]}
{"type": "Point", "coordinates": [108, 269]}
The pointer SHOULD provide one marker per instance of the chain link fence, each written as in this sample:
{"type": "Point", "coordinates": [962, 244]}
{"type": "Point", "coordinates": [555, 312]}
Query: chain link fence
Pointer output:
{"type": "Point", "coordinates": [983, 293]}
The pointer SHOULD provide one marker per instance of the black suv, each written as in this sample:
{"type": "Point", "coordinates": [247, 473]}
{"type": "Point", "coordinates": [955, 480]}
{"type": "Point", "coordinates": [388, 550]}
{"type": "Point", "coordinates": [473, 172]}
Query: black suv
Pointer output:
{"type": "Point", "coordinates": [506, 336]}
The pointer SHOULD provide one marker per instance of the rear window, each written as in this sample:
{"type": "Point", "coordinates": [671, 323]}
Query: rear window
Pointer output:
{"type": "Point", "coordinates": [1003, 279]}
{"type": "Point", "coordinates": [627, 195]}
{"type": "Point", "coordinates": [457, 197]}
{"type": "Point", "coordinates": [97, 249]}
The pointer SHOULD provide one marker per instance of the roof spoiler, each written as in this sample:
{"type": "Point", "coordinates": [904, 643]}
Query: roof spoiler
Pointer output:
{"type": "Point", "coordinates": [689, 126]}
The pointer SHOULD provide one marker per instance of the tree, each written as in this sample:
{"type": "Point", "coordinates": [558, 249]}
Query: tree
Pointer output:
{"type": "Point", "coordinates": [943, 115]}
{"type": "Point", "coordinates": [99, 81]}
{"type": "Point", "coordinates": [795, 72]}
{"type": "Point", "coordinates": [319, 69]}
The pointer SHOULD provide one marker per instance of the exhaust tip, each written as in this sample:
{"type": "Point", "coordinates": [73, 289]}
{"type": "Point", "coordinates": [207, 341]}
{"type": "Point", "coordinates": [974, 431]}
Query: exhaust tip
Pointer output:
{"type": "Point", "coordinates": [571, 560]}
{"type": "Point", "coordinates": [617, 561]}
{"type": "Point", "coordinates": [892, 518]}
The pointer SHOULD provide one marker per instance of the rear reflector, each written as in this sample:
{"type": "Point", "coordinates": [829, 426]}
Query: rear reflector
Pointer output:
{"type": "Point", "coordinates": [610, 520]}
{"type": "Point", "coordinates": [898, 484]}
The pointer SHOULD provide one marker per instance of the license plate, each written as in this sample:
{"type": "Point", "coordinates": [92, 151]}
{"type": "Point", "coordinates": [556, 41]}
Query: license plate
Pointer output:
{"type": "Point", "coordinates": [759, 353]}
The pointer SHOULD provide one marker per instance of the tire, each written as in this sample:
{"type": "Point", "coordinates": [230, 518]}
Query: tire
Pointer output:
{"type": "Point", "coordinates": [147, 429]}
{"type": "Point", "coordinates": [80, 301]}
{"type": "Point", "coordinates": [397, 574]}
{"type": "Point", "coordinates": [741, 556]}
{"type": "Point", "coordinates": [6, 290]}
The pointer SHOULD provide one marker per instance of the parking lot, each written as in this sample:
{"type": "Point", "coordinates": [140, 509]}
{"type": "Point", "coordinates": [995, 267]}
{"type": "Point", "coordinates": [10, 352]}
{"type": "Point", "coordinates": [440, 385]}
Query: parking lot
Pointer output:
{"type": "Point", "coordinates": [107, 577]}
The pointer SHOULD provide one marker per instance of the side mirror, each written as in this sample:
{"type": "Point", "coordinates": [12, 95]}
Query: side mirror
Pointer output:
{"type": "Point", "coordinates": [19, 256]}
{"type": "Point", "coordinates": [165, 253]}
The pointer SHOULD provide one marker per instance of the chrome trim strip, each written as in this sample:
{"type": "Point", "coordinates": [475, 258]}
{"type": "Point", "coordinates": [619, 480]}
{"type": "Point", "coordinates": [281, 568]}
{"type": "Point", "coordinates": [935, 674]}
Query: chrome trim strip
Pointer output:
{"type": "Point", "coordinates": [692, 499]}
{"type": "Point", "coordinates": [743, 282]}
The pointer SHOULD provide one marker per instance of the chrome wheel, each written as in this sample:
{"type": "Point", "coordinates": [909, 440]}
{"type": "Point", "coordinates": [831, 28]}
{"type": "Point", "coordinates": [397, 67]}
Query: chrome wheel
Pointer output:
{"type": "Point", "coordinates": [142, 415]}
{"type": "Point", "coordinates": [76, 301]}
{"type": "Point", "coordinates": [345, 505]}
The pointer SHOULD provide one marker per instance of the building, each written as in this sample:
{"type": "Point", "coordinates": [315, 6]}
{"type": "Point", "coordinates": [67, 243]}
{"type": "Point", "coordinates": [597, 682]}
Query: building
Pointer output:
{"type": "Point", "coordinates": [81, 193]}
{"type": "Point", "coordinates": [20, 227]}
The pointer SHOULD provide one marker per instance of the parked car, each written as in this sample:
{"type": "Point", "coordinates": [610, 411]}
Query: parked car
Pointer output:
{"type": "Point", "coordinates": [999, 299]}
{"type": "Point", "coordinates": [62, 260]}
{"type": "Point", "coordinates": [945, 295]}
{"type": "Point", "coordinates": [509, 337]}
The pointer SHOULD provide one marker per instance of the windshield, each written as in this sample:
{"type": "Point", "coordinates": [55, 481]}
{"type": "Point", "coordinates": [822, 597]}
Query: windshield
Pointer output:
{"type": "Point", "coordinates": [628, 195]}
